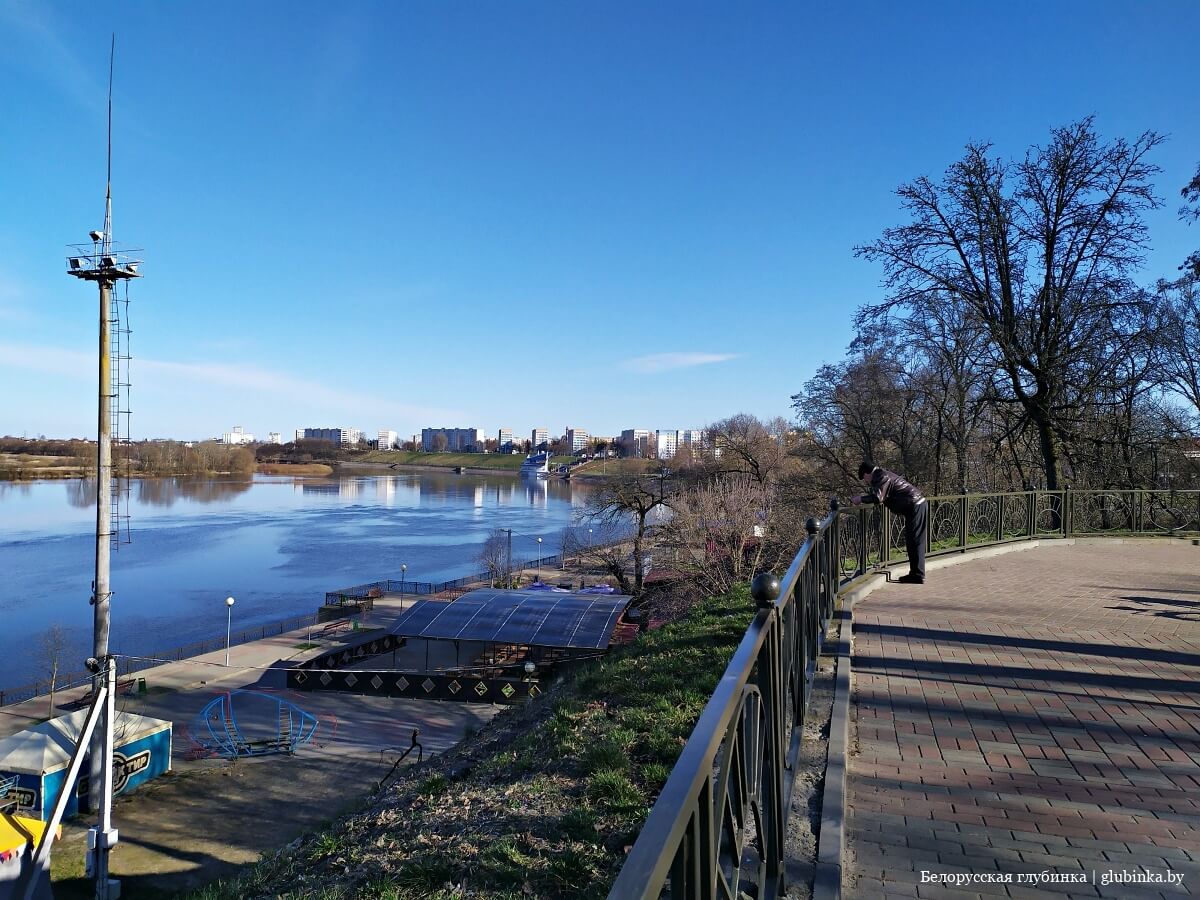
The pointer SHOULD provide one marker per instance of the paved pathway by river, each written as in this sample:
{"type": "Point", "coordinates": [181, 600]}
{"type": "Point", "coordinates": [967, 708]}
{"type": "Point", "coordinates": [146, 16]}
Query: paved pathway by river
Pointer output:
{"type": "Point", "coordinates": [210, 817]}
{"type": "Point", "coordinates": [1032, 713]}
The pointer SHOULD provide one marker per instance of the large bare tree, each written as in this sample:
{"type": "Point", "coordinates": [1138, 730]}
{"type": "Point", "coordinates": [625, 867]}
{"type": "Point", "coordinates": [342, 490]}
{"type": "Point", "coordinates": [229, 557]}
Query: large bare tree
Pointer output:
{"type": "Point", "coordinates": [626, 505]}
{"type": "Point", "coordinates": [1040, 253]}
{"type": "Point", "coordinates": [749, 445]}
{"type": "Point", "coordinates": [493, 555]}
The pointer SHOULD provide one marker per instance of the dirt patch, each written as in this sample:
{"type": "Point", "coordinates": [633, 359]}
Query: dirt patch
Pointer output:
{"type": "Point", "coordinates": [209, 819]}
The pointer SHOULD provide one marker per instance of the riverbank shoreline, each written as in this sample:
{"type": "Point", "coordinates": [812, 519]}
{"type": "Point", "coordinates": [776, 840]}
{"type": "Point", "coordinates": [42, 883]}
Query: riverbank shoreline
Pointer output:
{"type": "Point", "coordinates": [393, 468]}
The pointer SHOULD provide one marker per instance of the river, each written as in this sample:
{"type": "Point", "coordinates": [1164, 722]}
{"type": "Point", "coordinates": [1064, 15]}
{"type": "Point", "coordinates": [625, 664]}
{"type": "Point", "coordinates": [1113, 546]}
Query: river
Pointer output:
{"type": "Point", "coordinates": [275, 544]}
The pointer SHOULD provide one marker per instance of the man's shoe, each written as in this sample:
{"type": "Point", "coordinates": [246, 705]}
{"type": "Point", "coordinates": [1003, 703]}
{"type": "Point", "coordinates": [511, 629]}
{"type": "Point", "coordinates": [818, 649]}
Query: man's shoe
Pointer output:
{"type": "Point", "coordinates": [911, 579]}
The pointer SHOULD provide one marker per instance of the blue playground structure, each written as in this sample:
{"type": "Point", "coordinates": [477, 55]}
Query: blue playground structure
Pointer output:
{"type": "Point", "coordinates": [252, 723]}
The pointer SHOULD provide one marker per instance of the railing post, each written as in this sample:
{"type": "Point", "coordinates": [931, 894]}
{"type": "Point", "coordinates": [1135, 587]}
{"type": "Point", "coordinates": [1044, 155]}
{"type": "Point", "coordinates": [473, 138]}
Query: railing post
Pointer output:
{"type": "Point", "coordinates": [885, 536]}
{"type": "Point", "coordinates": [864, 558]}
{"type": "Point", "coordinates": [1031, 515]}
{"type": "Point", "coordinates": [834, 537]}
{"type": "Point", "coordinates": [1137, 519]}
{"type": "Point", "coordinates": [1068, 512]}
{"type": "Point", "coordinates": [964, 509]}
{"type": "Point", "coordinates": [1000, 498]}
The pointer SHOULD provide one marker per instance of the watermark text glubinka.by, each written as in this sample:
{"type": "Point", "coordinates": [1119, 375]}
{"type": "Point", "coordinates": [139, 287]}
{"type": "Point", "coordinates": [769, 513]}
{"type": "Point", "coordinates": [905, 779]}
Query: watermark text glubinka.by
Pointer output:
{"type": "Point", "coordinates": [1096, 876]}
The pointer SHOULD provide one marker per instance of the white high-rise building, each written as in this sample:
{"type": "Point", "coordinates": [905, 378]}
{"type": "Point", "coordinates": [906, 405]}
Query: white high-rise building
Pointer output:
{"type": "Point", "coordinates": [274, 437]}
{"type": "Point", "coordinates": [576, 439]}
{"type": "Point", "coordinates": [237, 436]}
{"type": "Point", "coordinates": [387, 439]}
{"type": "Point", "coordinates": [540, 436]}
{"type": "Point", "coordinates": [504, 440]}
{"type": "Point", "coordinates": [668, 443]}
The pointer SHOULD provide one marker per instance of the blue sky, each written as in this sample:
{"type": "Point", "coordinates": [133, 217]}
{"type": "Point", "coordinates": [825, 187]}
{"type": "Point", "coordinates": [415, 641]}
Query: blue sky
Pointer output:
{"type": "Point", "coordinates": [606, 215]}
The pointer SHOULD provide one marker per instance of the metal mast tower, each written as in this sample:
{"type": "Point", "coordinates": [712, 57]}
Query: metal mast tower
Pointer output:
{"type": "Point", "coordinates": [102, 263]}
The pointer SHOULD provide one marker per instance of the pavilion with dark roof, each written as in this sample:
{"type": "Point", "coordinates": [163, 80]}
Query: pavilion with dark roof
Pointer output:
{"type": "Point", "coordinates": [515, 626]}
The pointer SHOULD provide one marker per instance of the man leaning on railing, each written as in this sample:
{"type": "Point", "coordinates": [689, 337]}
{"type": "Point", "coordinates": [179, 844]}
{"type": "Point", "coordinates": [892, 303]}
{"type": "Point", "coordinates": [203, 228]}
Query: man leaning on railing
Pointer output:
{"type": "Point", "coordinates": [906, 501]}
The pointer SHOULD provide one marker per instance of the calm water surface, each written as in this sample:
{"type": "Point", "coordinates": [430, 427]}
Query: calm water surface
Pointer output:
{"type": "Point", "coordinates": [275, 544]}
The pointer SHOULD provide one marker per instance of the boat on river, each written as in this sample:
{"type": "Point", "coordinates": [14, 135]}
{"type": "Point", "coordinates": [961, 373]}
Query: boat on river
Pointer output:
{"type": "Point", "coordinates": [536, 465]}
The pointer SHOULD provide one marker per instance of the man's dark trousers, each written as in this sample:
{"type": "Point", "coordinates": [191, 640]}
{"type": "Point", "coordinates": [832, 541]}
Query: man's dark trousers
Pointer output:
{"type": "Point", "coordinates": [916, 526]}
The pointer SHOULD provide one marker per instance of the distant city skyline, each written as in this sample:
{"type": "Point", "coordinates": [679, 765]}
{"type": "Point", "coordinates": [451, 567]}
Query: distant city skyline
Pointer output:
{"type": "Point", "coordinates": [646, 213]}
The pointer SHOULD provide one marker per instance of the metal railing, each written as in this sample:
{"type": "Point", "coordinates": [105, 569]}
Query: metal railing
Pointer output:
{"type": "Point", "coordinates": [719, 826]}
{"type": "Point", "coordinates": [425, 588]}
{"type": "Point", "coordinates": [873, 537]}
{"type": "Point", "coordinates": [127, 665]}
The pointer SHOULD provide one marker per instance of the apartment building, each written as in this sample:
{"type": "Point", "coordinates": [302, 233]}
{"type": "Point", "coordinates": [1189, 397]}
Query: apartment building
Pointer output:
{"type": "Point", "coordinates": [576, 439]}
{"type": "Point", "coordinates": [458, 440]}
{"type": "Point", "coordinates": [635, 442]}
{"type": "Point", "coordinates": [343, 437]}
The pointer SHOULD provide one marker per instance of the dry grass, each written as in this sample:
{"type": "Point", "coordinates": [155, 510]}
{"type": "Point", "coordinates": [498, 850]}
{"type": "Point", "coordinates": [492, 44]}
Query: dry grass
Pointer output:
{"type": "Point", "coordinates": [294, 469]}
{"type": "Point", "coordinates": [543, 802]}
{"type": "Point", "coordinates": [26, 466]}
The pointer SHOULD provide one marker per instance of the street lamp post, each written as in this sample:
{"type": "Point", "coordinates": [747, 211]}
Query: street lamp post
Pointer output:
{"type": "Point", "coordinates": [403, 571]}
{"type": "Point", "coordinates": [539, 564]}
{"type": "Point", "coordinates": [228, 625]}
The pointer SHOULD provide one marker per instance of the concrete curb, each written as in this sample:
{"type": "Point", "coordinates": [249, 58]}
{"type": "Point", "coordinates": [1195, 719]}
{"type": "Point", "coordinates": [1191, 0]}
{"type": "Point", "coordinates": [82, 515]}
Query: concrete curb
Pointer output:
{"type": "Point", "coordinates": [831, 841]}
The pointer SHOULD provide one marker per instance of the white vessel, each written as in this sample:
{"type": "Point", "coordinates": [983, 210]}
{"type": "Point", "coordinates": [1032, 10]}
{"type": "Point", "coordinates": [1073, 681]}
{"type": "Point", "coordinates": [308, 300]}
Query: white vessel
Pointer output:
{"type": "Point", "coordinates": [536, 465]}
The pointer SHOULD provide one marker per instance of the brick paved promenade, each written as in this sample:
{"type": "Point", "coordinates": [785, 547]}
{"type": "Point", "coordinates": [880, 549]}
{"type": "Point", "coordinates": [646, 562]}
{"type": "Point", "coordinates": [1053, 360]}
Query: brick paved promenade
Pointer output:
{"type": "Point", "coordinates": [1032, 712]}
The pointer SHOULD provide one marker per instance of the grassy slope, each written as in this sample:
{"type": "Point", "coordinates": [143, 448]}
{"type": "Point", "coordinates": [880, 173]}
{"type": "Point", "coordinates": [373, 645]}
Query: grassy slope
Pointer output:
{"type": "Point", "coordinates": [542, 802]}
{"type": "Point", "coordinates": [618, 467]}
{"type": "Point", "coordinates": [471, 460]}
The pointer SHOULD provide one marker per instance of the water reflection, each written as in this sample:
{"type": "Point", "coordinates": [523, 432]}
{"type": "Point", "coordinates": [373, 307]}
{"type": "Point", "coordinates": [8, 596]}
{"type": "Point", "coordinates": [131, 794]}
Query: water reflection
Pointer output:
{"type": "Point", "coordinates": [81, 492]}
{"type": "Point", "coordinates": [166, 491]}
{"type": "Point", "coordinates": [14, 487]}
{"type": "Point", "coordinates": [163, 492]}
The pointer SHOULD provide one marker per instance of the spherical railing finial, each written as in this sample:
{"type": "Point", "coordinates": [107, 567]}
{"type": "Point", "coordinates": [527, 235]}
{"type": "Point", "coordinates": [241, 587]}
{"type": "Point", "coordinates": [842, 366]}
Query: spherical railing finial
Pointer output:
{"type": "Point", "coordinates": [764, 589]}
{"type": "Point", "coordinates": [811, 525]}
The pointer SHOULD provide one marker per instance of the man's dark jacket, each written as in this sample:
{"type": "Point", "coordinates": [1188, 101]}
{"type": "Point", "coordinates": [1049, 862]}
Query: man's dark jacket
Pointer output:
{"type": "Point", "coordinates": [893, 492]}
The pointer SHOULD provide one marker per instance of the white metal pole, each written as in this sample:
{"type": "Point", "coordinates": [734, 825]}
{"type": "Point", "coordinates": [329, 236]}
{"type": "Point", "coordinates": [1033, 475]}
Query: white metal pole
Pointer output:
{"type": "Point", "coordinates": [99, 699]}
{"type": "Point", "coordinates": [228, 625]}
{"type": "Point", "coordinates": [106, 835]}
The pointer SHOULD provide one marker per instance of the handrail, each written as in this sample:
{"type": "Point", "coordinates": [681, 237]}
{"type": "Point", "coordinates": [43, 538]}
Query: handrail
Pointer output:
{"type": "Point", "coordinates": [873, 536]}
{"type": "Point", "coordinates": [726, 799]}
{"type": "Point", "coordinates": [719, 825]}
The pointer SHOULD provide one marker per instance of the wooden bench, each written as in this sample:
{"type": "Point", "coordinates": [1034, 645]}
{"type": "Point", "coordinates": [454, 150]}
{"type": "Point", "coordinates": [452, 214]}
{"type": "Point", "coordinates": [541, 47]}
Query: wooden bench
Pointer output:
{"type": "Point", "coordinates": [331, 627]}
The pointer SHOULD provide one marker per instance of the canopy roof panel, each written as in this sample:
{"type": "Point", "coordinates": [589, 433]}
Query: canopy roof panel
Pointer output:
{"type": "Point", "coordinates": [535, 618]}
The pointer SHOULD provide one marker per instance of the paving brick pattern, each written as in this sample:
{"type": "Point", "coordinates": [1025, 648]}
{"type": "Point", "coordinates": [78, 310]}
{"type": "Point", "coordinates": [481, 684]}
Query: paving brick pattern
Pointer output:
{"type": "Point", "coordinates": [1033, 712]}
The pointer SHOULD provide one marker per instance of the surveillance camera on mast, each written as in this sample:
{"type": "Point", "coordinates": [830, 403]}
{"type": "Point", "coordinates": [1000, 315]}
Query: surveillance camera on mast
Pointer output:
{"type": "Point", "coordinates": [96, 235]}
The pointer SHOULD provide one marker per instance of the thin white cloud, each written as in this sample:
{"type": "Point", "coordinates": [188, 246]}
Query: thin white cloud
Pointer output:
{"type": "Point", "coordinates": [235, 379]}
{"type": "Point", "coordinates": [665, 362]}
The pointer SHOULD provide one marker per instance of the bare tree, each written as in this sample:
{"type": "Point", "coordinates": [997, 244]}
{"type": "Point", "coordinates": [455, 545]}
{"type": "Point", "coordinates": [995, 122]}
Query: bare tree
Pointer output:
{"type": "Point", "coordinates": [54, 643]}
{"type": "Point", "coordinates": [749, 445]}
{"type": "Point", "coordinates": [1190, 212]}
{"type": "Point", "coordinates": [718, 529]}
{"type": "Point", "coordinates": [493, 555]}
{"type": "Point", "coordinates": [440, 442]}
{"type": "Point", "coordinates": [1039, 252]}
{"type": "Point", "coordinates": [626, 503]}
{"type": "Point", "coordinates": [1180, 350]}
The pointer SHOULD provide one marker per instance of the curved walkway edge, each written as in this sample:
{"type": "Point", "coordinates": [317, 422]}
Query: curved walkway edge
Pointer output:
{"type": "Point", "coordinates": [1026, 726]}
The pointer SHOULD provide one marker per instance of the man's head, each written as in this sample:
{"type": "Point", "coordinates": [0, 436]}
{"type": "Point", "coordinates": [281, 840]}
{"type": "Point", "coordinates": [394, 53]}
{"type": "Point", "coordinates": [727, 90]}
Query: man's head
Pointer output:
{"type": "Point", "coordinates": [865, 469]}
